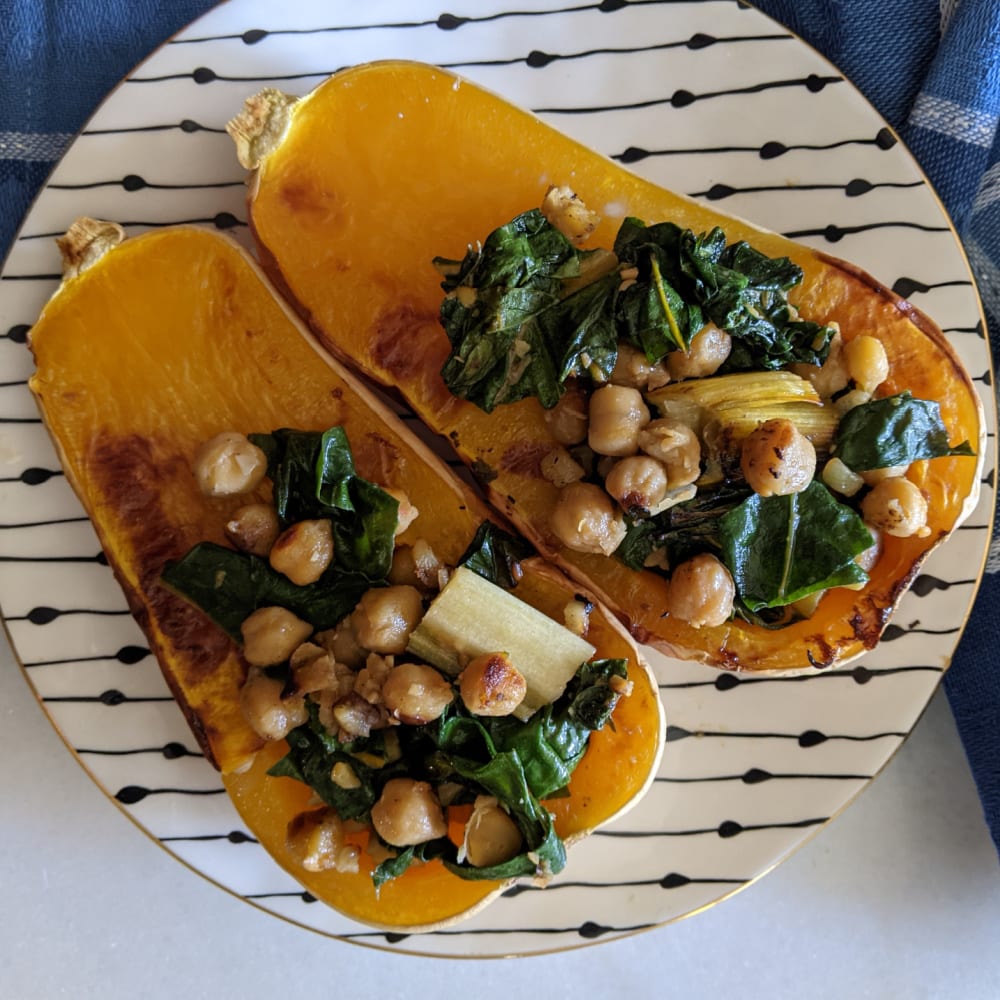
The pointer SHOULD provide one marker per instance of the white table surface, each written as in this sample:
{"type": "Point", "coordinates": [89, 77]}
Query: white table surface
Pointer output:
{"type": "Point", "coordinates": [898, 898]}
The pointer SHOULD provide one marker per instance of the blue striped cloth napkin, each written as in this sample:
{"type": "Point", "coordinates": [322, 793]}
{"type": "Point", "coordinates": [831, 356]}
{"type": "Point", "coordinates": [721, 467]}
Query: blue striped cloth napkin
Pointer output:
{"type": "Point", "coordinates": [930, 67]}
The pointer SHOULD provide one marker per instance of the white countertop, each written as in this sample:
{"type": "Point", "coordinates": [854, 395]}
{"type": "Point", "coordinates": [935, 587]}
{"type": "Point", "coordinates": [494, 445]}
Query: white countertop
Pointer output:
{"type": "Point", "coordinates": [898, 898]}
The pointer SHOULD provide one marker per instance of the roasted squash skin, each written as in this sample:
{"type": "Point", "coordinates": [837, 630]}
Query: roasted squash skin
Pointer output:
{"type": "Point", "coordinates": [386, 165]}
{"type": "Point", "coordinates": [175, 335]}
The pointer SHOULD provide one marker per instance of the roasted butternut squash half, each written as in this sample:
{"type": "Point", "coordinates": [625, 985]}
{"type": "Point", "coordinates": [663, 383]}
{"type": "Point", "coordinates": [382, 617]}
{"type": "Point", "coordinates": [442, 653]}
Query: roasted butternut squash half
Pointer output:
{"type": "Point", "coordinates": [154, 360]}
{"type": "Point", "coordinates": [358, 189]}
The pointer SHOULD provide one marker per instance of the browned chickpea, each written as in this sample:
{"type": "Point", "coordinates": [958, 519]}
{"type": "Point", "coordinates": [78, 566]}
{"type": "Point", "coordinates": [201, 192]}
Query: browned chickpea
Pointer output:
{"type": "Point", "coordinates": [491, 836]}
{"type": "Point", "coordinates": [385, 617]}
{"type": "Point", "coordinates": [709, 348]}
{"type": "Point", "coordinates": [253, 528]}
{"type": "Point", "coordinates": [567, 420]}
{"type": "Point", "coordinates": [415, 693]}
{"type": "Point", "coordinates": [229, 464]}
{"type": "Point", "coordinates": [316, 840]}
{"type": "Point", "coordinates": [586, 519]}
{"type": "Point", "coordinates": [491, 685]}
{"type": "Point", "coordinates": [701, 592]}
{"type": "Point", "coordinates": [897, 507]}
{"type": "Point", "coordinates": [408, 812]}
{"type": "Point", "coordinates": [271, 635]}
{"type": "Point", "coordinates": [676, 446]}
{"type": "Point", "coordinates": [637, 482]}
{"type": "Point", "coordinates": [777, 459]}
{"type": "Point", "coordinates": [269, 715]}
{"type": "Point", "coordinates": [617, 415]}
{"type": "Point", "coordinates": [303, 551]}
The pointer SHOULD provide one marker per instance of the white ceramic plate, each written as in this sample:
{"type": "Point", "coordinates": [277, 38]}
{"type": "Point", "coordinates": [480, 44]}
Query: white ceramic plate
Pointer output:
{"type": "Point", "coordinates": [710, 98]}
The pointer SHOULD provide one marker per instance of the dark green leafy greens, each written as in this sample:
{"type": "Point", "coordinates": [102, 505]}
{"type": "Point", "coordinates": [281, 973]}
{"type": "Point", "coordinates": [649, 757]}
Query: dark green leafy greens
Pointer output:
{"type": "Point", "coordinates": [499, 353]}
{"type": "Point", "coordinates": [495, 555]}
{"type": "Point", "coordinates": [523, 316]}
{"type": "Point", "coordinates": [782, 548]}
{"type": "Point", "coordinates": [518, 762]}
{"type": "Point", "coordinates": [228, 586]}
{"type": "Point", "coordinates": [893, 431]}
{"type": "Point", "coordinates": [683, 530]}
{"type": "Point", "coordinates": [313, 476]}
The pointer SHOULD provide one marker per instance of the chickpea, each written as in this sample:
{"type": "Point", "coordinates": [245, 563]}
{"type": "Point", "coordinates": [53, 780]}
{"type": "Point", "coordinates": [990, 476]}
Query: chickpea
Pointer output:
{"type": "Point", "coordinates": [897, 507]}
{"type": "Point", "coordinates": [303, 551]}
{"type": "Point", "coordinates": [269, 715]}
{"type": "Point", "coordinates": [638, 483]}
{"type": "Point", "coordinates": [385, 617]}
{"type": "Point", "coordinates": [415, 693]}
{"type": "Point", "coordinates": [316, 839]}
{"type": "Point", "coordinates": [567, 420]}
{"type": "Point", "coordinates": [701, 592]}
{"type": "Point", "coordinates": [491, 836]}
{"type": "Point", "coordinates": [866, 362]}
{"type": "Point", "coordinates": [229, 464]}
{"type": "Point", "coordinates": [408, 812]}
{"type": "Point", "coordinates": [418, 565]}
{"type": "Point", "coordinates": [271, 635]}
{"type": "Point", "coordinates": [777, 459]}
{"type": "Point", "coordinates": [491, 685]}
{"type": "Point", "coordinates": [617, 415]}
{"type": "Point", "coordinates": [585, 519]}
{"type": "Point", "coordinates": [840, 478]}
{"type": "Point", "coordinates": [676, 446]}
{"type": "Point", "coordinates": [709, 348]}
{"type": "Point", "coordinates": [253, 528]}
{"type": "Point", "coordinates": [634, 369]}
{"type": "Point", "coordinates": [873, 476]}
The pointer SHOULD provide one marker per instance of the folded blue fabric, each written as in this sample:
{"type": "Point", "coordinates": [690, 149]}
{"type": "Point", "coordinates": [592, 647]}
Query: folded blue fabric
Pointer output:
{"type": "Point", "coordinates": [930, 67]}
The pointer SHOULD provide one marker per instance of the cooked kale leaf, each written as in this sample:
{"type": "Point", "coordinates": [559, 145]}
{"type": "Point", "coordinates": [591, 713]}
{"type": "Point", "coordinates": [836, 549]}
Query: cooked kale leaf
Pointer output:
{"type": "Point", "coordinates": [495, 555]}
{"type": "Point", "coordinates": [892, 431]}
{"type": "Point", "coordinates": [228, 586]}
{"type": "Point", "coordinates": [782, 548]}
{"type": "Point", "coordinates": [314, 477]}
{"type": "Point", "coordinates": [519, 763]}
{"type": "Point", "coordinates": [523, 315]}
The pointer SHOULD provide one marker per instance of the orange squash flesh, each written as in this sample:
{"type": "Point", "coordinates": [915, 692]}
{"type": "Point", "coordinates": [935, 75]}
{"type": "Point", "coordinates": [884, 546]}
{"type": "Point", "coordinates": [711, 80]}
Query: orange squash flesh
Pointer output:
{"type": "Point", "coordinates": [602, 785]}
{"type": "Point", "coordinates": [387, 165]}
{"type": "Point", "coordinates": [174, 336]}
